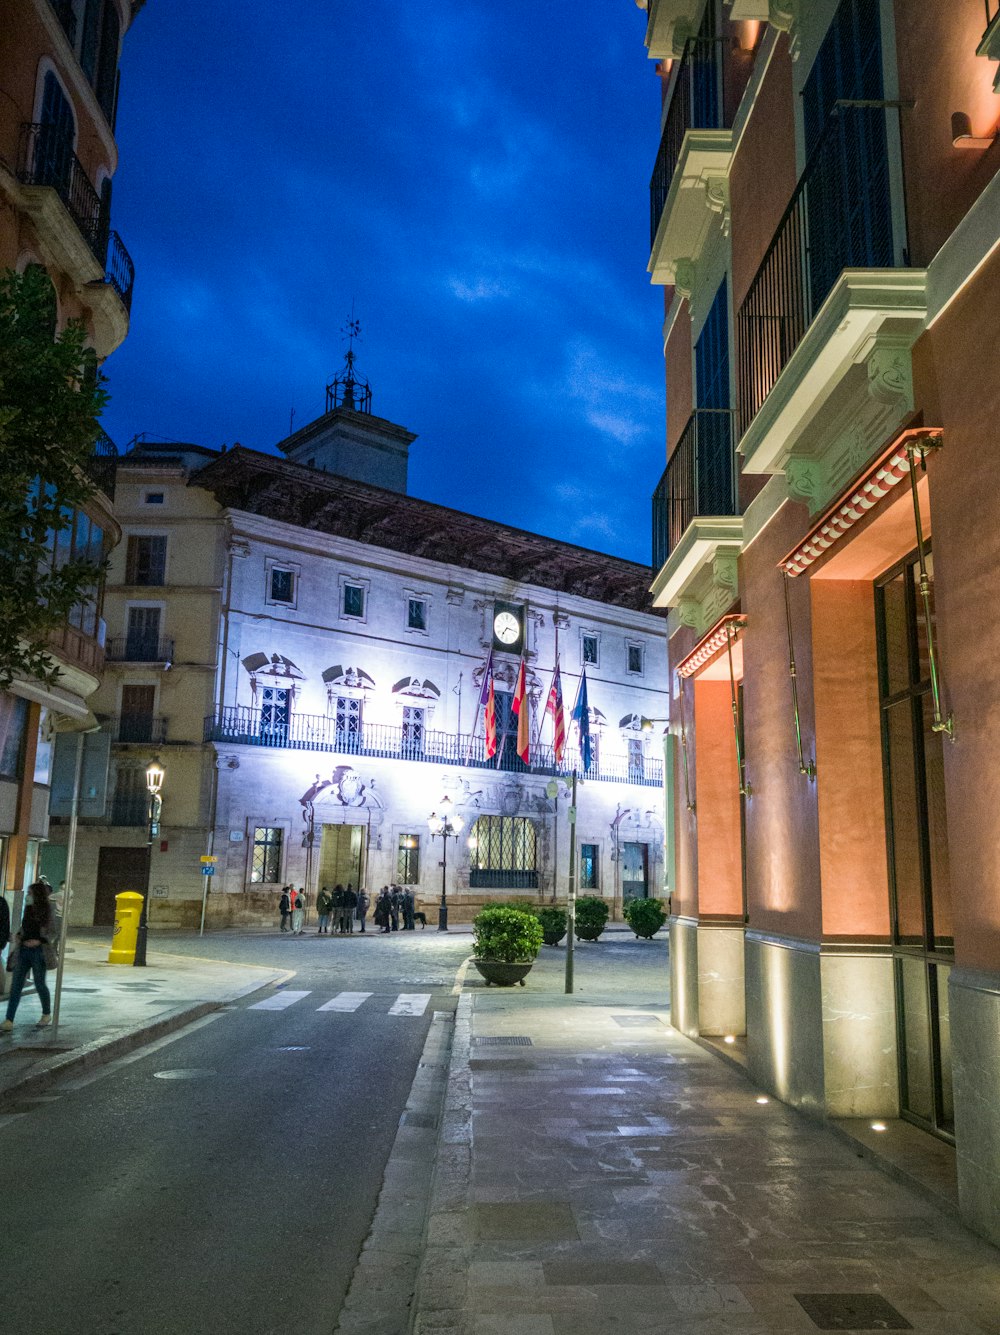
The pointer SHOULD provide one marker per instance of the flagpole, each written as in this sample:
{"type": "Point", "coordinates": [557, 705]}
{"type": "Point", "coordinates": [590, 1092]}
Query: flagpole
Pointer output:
{"type": "Point", "coordinates": [571, 894]}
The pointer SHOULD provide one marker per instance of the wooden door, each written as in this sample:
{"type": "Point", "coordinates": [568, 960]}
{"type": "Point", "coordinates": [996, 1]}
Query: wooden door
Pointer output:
{"type": "Point", "coordinates": [118, 869]}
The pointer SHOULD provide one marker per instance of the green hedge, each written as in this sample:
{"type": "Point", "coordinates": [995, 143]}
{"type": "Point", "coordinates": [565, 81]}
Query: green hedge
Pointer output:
{"type": "Point", "coordinates": [645, 916]}
{"type": "Point", "coordinates": [508, 935]}
{"type": "Point", "coordinates": [591, 917]}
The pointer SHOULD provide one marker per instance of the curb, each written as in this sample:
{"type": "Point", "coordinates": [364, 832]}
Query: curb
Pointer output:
{"type": "Point", "coordinates": [102, 1050]}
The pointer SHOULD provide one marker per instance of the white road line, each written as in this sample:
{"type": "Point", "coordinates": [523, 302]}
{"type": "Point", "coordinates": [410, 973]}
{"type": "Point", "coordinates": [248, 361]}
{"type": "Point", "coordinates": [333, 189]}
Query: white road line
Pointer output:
{"type": "Point", "coordinates": [345, 1001]}
{"type": "Point", "coordinates": [7, 1118]}
{"type": "Point", "coordinates": [278, 1002]}
{"type": "Point", "coordinates": [410, 1003]}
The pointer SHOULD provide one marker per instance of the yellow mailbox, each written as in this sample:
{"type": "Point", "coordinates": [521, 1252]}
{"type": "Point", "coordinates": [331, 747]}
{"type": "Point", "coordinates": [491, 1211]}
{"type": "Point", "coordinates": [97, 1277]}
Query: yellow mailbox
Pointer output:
{"type": "Point", "coordinates": [128, 907]}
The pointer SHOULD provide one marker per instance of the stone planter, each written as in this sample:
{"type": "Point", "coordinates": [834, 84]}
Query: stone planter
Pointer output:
{"type": "Point", "coordinates": [503, 975]}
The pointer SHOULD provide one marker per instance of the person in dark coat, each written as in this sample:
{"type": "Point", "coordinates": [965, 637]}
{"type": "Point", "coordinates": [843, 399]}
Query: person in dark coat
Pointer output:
{"type": "Point", "coordinates": [363, 902]}
{"type": "Point", "coordinates": [350, 907]}
{"type": "Point", "coordinates": [408, 907]}
{"type": "Point", "coordinates": [323, 902]}
{"type": "Point", "coordinates": [382, 909]}
{"type": "Point", "coordinates": [35, 939]}
{"type": "Point", "coordinates": [395, 905]}
{"type": "Point", "coordinates": [285, 907]}
{"type": "Point", "coordinates": [337, 907]}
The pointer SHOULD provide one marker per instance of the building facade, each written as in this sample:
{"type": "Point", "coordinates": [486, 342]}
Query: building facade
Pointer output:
{"type": "Point", "coordinates": [304, 652]}
{"type": "Point", "coordinates": [826, 227]}
{"type": "Point", "coordinates": [59, 72]}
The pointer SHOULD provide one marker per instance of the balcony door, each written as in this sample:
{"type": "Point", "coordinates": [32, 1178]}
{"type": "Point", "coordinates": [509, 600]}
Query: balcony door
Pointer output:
{"type": "Point", "coordinates": [713, 400]}
{"type": "Point", "coordinates": [136, 724]}
{"type": "Point", "coordinates": [275, 715]}
{"type": "Point", "coordinates": [413, 730]}
{"type": "Point", "coordinates": [849, 202]}
{"type": "Point", "coordinates": [348, 722]}
{"type": "Point", "coordinates": [54, 153]}
{"type": "Point", "coordinates": [142, 636]}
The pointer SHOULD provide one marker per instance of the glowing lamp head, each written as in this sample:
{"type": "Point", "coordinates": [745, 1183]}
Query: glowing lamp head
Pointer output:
{"type": "Point", "coordinates": [154, 777]}
{"type": "Point", "coordinates": [434, 823]}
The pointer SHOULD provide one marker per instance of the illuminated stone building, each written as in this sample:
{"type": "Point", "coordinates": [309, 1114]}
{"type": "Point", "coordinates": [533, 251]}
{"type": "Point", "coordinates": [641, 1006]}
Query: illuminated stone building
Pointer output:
{"type": "Point", "coordinates": [826, 227]}
{"type": "Point", "coordinates": [59, 78]}
{"type": "Point", "coordinates": [302, 644]}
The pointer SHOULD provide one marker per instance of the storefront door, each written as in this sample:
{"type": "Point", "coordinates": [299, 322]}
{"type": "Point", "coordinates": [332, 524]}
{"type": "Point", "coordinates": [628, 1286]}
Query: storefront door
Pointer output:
{"type": "Point", "coordinates": [913, 765]}
{"type": "Point", "coordinates": [342, 856]}
{"type": "Point", "coordinates": [635, 871]}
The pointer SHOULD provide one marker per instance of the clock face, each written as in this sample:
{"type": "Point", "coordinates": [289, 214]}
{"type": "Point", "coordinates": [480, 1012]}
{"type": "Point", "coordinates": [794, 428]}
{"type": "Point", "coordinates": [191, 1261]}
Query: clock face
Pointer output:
{"type": "Point", "coordinates": [506, 627]}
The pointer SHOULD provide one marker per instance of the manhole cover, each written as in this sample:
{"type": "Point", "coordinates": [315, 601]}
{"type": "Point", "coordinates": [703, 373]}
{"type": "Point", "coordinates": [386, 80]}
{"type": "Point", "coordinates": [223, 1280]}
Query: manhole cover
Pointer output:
{"type": "Point", "coordinates": [851, 1311]}
{"type": "Point", "coordinates": [635, 1021]}
{"type": "Point", "coordinates": [184, 1073]}
{"type": "Point", "coordinates": [503, 1041]}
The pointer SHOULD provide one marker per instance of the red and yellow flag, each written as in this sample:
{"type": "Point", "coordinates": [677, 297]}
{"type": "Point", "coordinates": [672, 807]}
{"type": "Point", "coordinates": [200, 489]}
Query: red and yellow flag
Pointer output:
{"type": "Point", "coordinates": [554, 706]}
{"type": "Point", "coordinates": [490, 718]}
{"type": "Point", "coordinates": [521, 706]}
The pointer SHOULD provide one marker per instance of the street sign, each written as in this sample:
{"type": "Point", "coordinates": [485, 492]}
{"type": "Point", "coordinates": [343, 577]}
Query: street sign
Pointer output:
{"type": "Point", "coordinates": [571, 815]}
{"type": "Point", "coordinates": [208, 871]}
{"type": "Point", "coordinates": [207, 857]}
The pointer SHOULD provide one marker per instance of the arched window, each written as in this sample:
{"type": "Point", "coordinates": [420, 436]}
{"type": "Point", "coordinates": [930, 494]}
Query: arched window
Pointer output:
{"type": "Point", "coordinates": [503, 854]}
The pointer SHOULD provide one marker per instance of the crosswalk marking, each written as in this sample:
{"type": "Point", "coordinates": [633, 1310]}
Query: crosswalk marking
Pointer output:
{"type": "Point", "coordinates": [279, 1001]}
{"type": "Point", "coordinates": [410, 1003]}
{"type": "Point", "coordinates": [346, 1001]}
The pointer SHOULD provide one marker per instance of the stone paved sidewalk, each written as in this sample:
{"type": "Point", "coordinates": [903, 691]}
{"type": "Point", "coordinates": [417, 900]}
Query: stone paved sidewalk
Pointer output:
{"type": "Point", "coordinates": [108, 1009]}
{"type": "Point", "coordinates": [603, 1175]}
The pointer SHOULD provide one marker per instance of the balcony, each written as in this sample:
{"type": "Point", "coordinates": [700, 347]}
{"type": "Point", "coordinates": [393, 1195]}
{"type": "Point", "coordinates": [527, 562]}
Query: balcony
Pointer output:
{"type": "Point", "coordinates": [242, 725]}
{"type": "Point", "coordinates": [47, 163]}
{"type": "Point", "coordinates": [64, 12]}
{"type": "Point", "coordinates": [689, 189]}
{"type": "Point", "coordinates": [833, 309]}
{"type": "Point", "coordinates": [138, 729]}
{"type": "Point", "coordinates": [148, 649]}
{"type": "Point", "coordinates": [668, 24]}
{"type": "Point", "coordinates": [699, 480]}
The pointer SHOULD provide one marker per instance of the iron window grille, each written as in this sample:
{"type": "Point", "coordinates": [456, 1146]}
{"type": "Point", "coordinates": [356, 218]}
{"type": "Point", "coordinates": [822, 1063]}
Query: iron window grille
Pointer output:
{"type": "Point", "coordinates": [408, 859]}
{"type": "Point", "coordinates": [265, 861]}
{"type": "Point", "coordinates": [503, 854]}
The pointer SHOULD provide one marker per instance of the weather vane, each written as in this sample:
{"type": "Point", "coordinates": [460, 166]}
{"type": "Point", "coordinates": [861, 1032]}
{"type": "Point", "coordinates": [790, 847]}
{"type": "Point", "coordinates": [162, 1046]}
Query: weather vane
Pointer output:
{"type": "Point", "coordinates": [347, 390]}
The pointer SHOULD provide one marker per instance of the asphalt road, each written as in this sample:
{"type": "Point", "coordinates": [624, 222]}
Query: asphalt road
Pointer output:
{"type": "Point", "coordinates": [225, 1178]}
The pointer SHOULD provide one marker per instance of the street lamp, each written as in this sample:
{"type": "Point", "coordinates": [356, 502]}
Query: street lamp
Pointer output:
{"type": "Point", "coordinates": [154, 782]}
{"type": "Point", "coordinates": [448, 825]}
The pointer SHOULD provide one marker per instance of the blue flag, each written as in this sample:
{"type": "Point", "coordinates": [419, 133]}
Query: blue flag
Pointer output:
{"type": "Point", "coordinates": [581, 717]}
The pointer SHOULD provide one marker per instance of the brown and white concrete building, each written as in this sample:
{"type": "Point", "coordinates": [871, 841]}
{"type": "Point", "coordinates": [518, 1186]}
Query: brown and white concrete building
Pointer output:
{"type": "Point", "coordinates": [826, 228]}
{"type": "Point", "coordinates": [58, 91]}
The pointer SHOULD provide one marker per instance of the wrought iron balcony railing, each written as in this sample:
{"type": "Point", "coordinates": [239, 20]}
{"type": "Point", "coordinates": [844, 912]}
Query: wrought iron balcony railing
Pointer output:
{"type": "Point", "coordinates": [840, 217]}
{"type": "Point", "coordinates": [243, 725]}
{"type": "Point", "coordinates": [137, 728]}
{"type": "Point", "coordinates": [103, 464]}
{"type": "Point", "coordinates": [699, 480]}
{"type": "Point", "coordinates": [139, 649]}
{"type": "Point", "coordinates": [695, 104]}
{"type": "Point", "coordinates": [46, 158]}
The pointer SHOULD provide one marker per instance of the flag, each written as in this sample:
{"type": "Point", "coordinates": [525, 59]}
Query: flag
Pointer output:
{"type": "Point", "coordinates": [490, 720]}
{"type": "Point", "coordinates": [521, 707]}
{"type": "Point", "coordinates": [485, 694]}
{"type": "Point", "coordinates": [554, 706]}
{"type": "Point", "coordinates": [581, 717]}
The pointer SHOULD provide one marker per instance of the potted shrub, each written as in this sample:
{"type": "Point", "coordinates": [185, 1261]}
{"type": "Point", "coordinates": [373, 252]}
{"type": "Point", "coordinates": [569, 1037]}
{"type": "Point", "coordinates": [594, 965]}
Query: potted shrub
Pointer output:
{"type": "Point", "coordinates": [645, 916]}
{"type": "Point", "coordinates": [505, 943]}
{"type": "Point", "coordinates": [553, 920]}
{"type": "Point", "coordinates": [591, 916]}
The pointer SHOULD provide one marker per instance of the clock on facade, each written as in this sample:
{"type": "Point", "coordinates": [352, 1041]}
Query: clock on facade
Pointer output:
{"type": "Point", "coordinates": [507, 626]}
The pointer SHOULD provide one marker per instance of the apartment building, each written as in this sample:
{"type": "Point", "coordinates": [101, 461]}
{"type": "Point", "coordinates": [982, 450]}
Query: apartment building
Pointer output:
{"type": "Point", "coordinates": [825, 223]}
{"type": "Point", "coordinates": [59, 83]}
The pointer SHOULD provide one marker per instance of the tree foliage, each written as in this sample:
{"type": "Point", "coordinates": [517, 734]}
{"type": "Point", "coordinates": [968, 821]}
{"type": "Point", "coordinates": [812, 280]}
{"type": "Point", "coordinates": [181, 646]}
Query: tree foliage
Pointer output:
{"type": "Point", "coordinates": [51, 399]}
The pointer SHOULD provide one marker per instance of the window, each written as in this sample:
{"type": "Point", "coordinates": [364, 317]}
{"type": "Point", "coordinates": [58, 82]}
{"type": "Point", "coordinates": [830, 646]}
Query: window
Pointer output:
{"type": "Point", "coordinates": [142, 635]}
{"type": "Point", "coordinates": [282, 585]}
{"type": "Point", "coordinates": [265, 862]}
{"type": "Point", "coordinates": [633, 661]}
{"type": "Point", "coordinates": [146, 559]}
{"type": "Point", "coordinates": [130, 803]}
{"type": "Point", "coordinates": [590, 866]}
{"type": "Point", "coordinates": [53, 162]}
{"type": "Point", "coordinates": [13, 725]}
{"type": "Point", "coordinates": [502, 854]}
{"type": "Point", "coordinates": [275, 714]}
{"type": "Point", "coordinates": [413, 730]}
{"type": "Point", "coordinates": [408, 859]}
{"type": "Point", "coordinates": [137, 723]}
{"type": "Point", "coordinates": [589, 650]}
{"type": "Point", "coordinates": [354, 600]}
{"type": "Point", "coordinates": [153, 498]}
{"type": "Point", "coordinates": [636, 760]}
{"type": "Point", "coordinates": [416, 614]}
{"type": "Point", "coordinates": [348, 713]}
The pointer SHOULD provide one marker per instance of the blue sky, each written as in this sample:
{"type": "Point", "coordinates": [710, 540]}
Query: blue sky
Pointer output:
{"type": "Point", "coordinates": [471, 176]}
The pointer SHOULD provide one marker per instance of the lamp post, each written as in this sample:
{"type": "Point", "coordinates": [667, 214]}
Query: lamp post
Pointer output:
{"type": "Point", "coordinates": [154, 782]}
{"type": "Point", "coordinates": [448, 825]}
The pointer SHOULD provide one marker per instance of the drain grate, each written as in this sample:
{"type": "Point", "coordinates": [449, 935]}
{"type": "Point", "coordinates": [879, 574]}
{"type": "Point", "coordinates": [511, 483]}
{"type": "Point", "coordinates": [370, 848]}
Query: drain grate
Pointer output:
{"type": "Point", "coordinates": [503, 1041]}
{"type": "Point", "coordinates": [636, 1021]}
{"type": "Point", "coordinates": [851, 1311]}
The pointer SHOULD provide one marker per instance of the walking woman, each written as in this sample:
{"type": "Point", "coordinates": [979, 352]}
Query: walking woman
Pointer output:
{"type": "Point", "coordinates": [34, 953]}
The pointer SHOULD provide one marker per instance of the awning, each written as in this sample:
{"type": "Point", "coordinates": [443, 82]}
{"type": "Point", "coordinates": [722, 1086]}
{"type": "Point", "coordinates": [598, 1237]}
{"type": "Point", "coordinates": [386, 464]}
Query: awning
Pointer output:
{"type": "Point", "coordinates": [884, 475]}
{"type": "Point", "coordinates": [711, 644]}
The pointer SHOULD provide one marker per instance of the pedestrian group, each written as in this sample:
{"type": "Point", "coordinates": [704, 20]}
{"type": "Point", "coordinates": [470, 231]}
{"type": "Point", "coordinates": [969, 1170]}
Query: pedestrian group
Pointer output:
{"type": "Point", "coordinates": [339, 909]}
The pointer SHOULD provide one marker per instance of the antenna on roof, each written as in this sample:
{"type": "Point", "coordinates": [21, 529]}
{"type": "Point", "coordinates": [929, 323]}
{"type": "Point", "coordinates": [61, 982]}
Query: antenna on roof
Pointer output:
{"type": "Point", "coordinates": [348, 390]}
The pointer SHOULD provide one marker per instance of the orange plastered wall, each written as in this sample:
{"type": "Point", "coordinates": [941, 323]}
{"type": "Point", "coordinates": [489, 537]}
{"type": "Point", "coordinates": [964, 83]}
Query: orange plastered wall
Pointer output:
{"type": "Point", "coordinates": [720, 879]}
